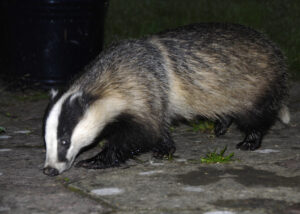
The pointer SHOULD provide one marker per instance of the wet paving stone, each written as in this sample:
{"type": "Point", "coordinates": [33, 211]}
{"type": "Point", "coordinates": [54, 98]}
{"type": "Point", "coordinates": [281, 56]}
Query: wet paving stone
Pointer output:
{"type": "Point", "coordinates": [247, 176]}
{"type": "Point", "coordinates": [256, 205]}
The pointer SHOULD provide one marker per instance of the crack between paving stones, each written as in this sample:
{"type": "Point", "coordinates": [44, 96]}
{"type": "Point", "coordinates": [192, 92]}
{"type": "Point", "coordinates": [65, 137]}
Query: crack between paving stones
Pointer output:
{"type": "Point", "coordinates": [114, 209]}
{"type": "Point", "coordinates": [87, 195]}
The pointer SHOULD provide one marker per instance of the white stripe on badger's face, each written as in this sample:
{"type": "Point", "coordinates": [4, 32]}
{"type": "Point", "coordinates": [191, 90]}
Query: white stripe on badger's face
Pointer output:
{"type": "Point", "coordinates": [51, 140]}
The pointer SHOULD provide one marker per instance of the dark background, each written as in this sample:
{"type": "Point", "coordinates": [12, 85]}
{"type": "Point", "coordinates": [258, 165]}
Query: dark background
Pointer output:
{"type": "Point", "coordinates": [278, 19]}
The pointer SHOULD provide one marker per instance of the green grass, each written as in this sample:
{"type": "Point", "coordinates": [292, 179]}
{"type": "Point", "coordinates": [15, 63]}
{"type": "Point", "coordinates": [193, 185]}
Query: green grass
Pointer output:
{"type": "Point", "coordinates": [7, 114]}
{"type": "Point", "coordinates": [66, 180]}
{"type": "Point", "coordinates": [278, 19]}
{"type": "Point", "coordinates": [214, 157]}
{"type": "Point", "coordinates": [169, 157]}
{"type": "Point", "coordinates": [33, 96]}
{"type": "Point", "coordinates": [202, 126]}
{"type": "Point", "coordinates": [2, 129]}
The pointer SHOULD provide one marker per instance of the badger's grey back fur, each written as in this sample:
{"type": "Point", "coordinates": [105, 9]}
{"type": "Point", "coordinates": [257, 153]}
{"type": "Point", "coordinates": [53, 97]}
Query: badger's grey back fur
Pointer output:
{"type": "Point", "coordinates": [222, 72]}
{"type": "Point", "coordinates": [209, 70]}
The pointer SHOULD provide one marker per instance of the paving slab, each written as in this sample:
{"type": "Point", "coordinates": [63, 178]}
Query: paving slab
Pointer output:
{"type": "Point", "coordinates": [263, 181]}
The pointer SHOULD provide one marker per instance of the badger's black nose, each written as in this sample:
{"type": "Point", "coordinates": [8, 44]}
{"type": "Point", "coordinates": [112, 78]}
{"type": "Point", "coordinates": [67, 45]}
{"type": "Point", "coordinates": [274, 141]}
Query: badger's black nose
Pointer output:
{"type": "Point", "coordinates": [50, 171]}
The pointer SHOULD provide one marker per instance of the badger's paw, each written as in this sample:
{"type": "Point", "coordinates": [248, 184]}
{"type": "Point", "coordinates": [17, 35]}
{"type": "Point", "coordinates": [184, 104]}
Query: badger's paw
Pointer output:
{"type": "Point", "coordinates": [222, 125]}
{"type": "Point", "coordinates": [220, 129]}
{"type": "Point", "coordinates": [164, 148]}
{"type": "Point", "coordinates": [96, 163]}
{"type": "Point", "coordinates": [161, 153]}
{"type": "Point", "coordinates": [251, 142]}
{"type": "Point", "coordinates": [248, 145]}
{"type": "Point", "coordinates": [89, 163]}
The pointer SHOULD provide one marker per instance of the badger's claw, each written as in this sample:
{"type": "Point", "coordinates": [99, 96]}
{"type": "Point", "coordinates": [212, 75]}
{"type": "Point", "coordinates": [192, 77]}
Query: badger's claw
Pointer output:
{"type": "Point", "coordinates": [98, 162]}
{"type": "Point", "coordinates": [159, 154]}
{"type": "Point", "coordinates": [251, 142]}
{"type": "Point", "coordinates": [85, 163]}
{"type": "Point", "coordinates": [248, 145]}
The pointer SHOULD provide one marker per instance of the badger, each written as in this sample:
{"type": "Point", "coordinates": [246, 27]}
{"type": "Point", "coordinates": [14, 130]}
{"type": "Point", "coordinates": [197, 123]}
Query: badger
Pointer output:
{"type": "Point", "coordinates": [131, 93]}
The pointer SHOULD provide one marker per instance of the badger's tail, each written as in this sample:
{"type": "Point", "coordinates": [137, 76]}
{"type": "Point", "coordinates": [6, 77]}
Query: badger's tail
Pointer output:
{"type": "Point", "coordinates": [284, 114]}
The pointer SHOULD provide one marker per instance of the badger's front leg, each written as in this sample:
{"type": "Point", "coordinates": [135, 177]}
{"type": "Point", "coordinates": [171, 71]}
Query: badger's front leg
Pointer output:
{"type": "Point", "coordinates": [113, 155]}
{"type": "Point", "coordinates": [119, 148]}
{"type": "Point", "coordinates": [127, 137]}
{"type": "Point", "coordinates": [110, 156]}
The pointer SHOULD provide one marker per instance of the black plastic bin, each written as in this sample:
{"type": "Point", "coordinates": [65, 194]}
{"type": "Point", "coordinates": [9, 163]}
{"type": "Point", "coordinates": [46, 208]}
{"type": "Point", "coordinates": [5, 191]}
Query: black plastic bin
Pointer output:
{"type": "Point", "coordinates": [49, 41]}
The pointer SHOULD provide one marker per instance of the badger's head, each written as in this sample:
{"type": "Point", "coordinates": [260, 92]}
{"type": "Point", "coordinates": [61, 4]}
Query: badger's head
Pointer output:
{"type": "Point", "coordinates": [68, 127]}
{"type": "Point", "coordinates": [73, 121]}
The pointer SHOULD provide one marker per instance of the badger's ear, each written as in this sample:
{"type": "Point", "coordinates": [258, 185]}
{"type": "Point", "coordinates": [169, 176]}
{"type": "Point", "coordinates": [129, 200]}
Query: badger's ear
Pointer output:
{"type": "Point", "coordinates": [81, 99]}
{"type": "Point", "coordinates": [53, 93]}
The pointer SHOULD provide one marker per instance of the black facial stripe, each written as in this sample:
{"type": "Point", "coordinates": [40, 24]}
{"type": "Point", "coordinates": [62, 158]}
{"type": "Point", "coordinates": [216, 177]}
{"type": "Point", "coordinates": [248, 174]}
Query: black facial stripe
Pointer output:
{"type": "Point", "coordinates": [62, 151]}
{"type": "Point", "coordinates": [71, 113]}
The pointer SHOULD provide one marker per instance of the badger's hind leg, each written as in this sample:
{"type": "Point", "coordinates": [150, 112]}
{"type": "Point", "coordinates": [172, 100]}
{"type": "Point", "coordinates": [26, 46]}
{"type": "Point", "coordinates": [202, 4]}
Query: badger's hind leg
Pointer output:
{"type": "Point", "coordinates": [254, 129]}
{"type": "Point", "coordinates": [222, 125]}
{"type": "Point", "coordinates": [126, 138]}
{"type": "Point", "coordinates": [255, 124]}
{"type": "Point", "coordinates": [251, 142]}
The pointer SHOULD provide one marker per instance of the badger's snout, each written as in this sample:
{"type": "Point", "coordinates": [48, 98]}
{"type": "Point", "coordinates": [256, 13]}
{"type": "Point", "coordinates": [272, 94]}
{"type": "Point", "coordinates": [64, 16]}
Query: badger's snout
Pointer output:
{"type": "Point", "coordinates": [50, 171]}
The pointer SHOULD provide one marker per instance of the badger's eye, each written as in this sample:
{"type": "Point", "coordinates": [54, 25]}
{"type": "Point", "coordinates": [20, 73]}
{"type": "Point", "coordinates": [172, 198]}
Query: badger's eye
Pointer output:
{"type": "Point", "coordinates": [64, 142]}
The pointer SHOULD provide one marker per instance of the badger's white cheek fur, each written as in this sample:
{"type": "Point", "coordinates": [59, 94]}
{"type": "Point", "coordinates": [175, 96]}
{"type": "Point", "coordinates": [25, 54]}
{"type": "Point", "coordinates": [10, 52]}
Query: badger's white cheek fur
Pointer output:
{"type": "Point", "coordinates": [84, 134]}
{"type": "Point", "coordinates": [92, 123]}
{"type": "Point", "coordinates": [71, 155]}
